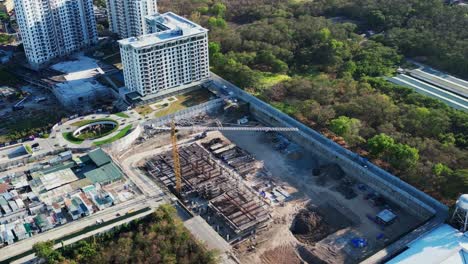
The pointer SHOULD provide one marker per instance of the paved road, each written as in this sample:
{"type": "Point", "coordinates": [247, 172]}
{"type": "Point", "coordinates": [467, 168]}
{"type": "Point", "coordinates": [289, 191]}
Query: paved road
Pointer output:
{"type": "Point", "coordinates": [57, 132]}
{"type": "Point", "coordinates": [448, 97]}
{"type": "Point", "coordinates": [31, 257]}
{"type": "Point", "coordinates": [56, 233]}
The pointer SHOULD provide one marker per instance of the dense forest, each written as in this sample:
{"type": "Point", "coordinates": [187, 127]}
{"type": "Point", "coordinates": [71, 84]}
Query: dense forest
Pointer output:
{"type": "Point", "coordinates": [314, 61]}
{"type": "Point", "coordinates": [159, 238]}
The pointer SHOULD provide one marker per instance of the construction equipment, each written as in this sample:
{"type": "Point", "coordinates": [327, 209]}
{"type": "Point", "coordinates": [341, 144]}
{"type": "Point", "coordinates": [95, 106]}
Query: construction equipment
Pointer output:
{"type": "Point", "coordinates": [175, 154]}
{"type": "Point", "coordinates": [175, 150]}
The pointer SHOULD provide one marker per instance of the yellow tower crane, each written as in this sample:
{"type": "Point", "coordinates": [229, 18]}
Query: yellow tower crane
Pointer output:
{"type": "Point", "coordinates": [175, 149]}
{"type": "Point", "coordinates": [175, 156]}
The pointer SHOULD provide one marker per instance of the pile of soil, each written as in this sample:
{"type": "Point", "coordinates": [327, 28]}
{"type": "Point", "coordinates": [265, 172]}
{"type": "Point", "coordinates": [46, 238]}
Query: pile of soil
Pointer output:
{"type": "Point", "coordinates": [327, 173]}
{"type": "Point", "coordinates": [309, 226]}
{"type": "Point", "coordinates": [333, 171]}
{"type": "Point", "coordinates": [281, 255]}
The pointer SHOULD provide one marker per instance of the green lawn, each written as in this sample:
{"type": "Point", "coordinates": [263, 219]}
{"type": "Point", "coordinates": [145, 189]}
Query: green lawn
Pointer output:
{"type": "Point", "coordinates": [70, 138]}
{"type": "Point", "coordinates": [270, 79]}
{"type": "Point", "coordinates": [122, 133]}
{"type": "Point", "coordinates": [122, 114]}
{"type": "Point", "coordinates": [86, 122]}
{"type": "Point", "coordinates": [144, 110]}
{"type": "Point", "coordinates": [185, 100]}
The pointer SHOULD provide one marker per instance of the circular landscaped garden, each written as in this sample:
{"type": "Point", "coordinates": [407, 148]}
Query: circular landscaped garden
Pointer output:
{"type": "Point", "coordinates": [91, 129]}
{"type": "Point", "coordinates": [96, 129]}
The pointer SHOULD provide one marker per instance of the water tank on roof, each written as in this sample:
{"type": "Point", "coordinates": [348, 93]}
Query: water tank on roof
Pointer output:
{"type": "Point", "coordinates": [462, 202]}
{"type": "Point", "coordinates": [460, 215]}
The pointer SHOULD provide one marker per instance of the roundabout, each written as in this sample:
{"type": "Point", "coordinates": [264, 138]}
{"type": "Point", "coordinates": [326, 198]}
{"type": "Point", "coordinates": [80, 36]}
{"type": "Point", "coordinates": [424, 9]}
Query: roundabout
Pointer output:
{"type": "Point", "coordinates": [93, 130]}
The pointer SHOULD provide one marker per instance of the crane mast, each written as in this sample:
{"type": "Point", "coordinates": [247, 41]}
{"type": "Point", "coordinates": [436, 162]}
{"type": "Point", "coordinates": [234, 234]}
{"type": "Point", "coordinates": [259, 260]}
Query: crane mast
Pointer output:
{"type": "Point", "coordinates": [175, 149]}
{"type": "Point", "coordinates": [175, 156]}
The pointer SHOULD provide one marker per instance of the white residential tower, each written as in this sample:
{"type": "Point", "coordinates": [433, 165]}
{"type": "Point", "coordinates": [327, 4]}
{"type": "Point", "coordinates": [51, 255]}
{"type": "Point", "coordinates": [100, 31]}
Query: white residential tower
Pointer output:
{"type": "Point", "coordinates": [174, 57]}
{"type": "Point", "coordinates": [53, 28]}
{"type": "Point", "coordinates": [127, 17]}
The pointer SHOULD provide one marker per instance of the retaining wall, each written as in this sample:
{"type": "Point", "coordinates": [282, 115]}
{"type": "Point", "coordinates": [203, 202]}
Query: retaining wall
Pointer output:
{"type": "Point", "coordinates": [124, 142]}
{"type": "Point", "coordinates": [207, 107]}
{"type": "Point", "coordinates": [385, 183]}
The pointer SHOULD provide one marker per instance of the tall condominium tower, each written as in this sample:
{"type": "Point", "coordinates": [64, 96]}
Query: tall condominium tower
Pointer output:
{"type": "Point", "coordinates": [173, 55]}
{"type": "Point", "coordinates": [53, 28]}
{"type": "Point", "coordinates": [127, 17]}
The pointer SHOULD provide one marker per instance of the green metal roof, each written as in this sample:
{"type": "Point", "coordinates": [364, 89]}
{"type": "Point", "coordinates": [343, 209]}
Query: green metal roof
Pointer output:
{"type": "Point", "coordinates": [104, 174]}
{"type": "Point", "coordinates": [99, 157]}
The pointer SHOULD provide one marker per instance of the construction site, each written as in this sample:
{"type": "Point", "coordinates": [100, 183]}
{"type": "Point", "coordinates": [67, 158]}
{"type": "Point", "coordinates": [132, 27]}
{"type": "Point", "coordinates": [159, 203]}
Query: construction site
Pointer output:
{"type": "Point", "coordinates": [270, 197]}
{"type": "Point", "coordinates": [212, 190]}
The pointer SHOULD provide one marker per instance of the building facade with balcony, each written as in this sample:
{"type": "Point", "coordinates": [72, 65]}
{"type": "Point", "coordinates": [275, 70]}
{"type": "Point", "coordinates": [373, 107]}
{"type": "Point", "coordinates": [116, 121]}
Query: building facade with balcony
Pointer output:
{"type": "Point", "coordinates": [54, 28]}
{"type": "Point", "coordinates": [127, 17]}
{"type": "Point", "coordinates": [173, 55]}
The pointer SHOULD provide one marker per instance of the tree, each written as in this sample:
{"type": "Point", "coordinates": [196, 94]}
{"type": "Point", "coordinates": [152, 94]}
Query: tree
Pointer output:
{"type": "Point", "coordinates": [375, 59]}
{"type": "Point", "coordinates": [45, 250]}
{"type": "Point", "coordinates": [218, 9]}
{"type": "Point", "coordinates": [457, 183]}
{"type": "Point", "coordinates": [380, 144]}
{"type": "Point", "coordinates": [347, 128]}
{"type": "Point", "coordinates": [423, 121]}
{"type": "Point", "coordinates": [3, 16]}
{"type": "Point", "coordinates": [403, 157]}
{"type": "Point", "coordinates": [85, 252]}
{"type": "Point", "coordinates": [214, 22]}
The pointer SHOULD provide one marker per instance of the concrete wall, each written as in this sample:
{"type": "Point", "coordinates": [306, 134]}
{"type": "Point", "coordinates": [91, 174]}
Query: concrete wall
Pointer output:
{"type": "Point", "coordinates": [28, 159]}
{"type": "Point", "coordinates": [125, 142]}
{"type": "Point", "coordinates": [207, 107]}
{"type": "Point", "coordinates": [387, 184]}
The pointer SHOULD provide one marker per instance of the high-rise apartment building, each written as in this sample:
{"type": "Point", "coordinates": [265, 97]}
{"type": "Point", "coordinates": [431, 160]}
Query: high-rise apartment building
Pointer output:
{"type": "Point", "coordinates": [53, 28]}
{"type": "Point", "coordinates": [127, 17]}
{"type": "Point", "coordinates": [174, 56]}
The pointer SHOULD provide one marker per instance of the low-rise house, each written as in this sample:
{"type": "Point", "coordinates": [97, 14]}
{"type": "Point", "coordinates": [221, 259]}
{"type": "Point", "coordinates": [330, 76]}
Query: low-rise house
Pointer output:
{"type": "Point", "coordinates": [4, 205]}
{"type": "Point", "coordinates": [35, 208]}
{"type": "Point", "coordinates": [13, 205]}
{"type": "Point", "coordinates": [67, 155]}
{"type": "Point", "coordinates": [19, 203]}
{"type": "Point", "coordinates": [73, 206]}
{"type": "Point", "coordinates": [6, 235]}
{"type": "Point", "coordinates": [42, 222]}
{"type": "Point", "coordinates": [20, 231]}
{"type": "Point", "coordinates": [89, 205]}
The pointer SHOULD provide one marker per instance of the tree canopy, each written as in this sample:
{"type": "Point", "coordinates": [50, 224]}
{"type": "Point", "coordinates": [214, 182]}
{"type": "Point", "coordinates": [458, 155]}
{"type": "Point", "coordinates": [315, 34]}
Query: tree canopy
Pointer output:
{"type": "Point", "coordinates": [158, 238]}
{"type": "Point", "coordinates": [322, 62]}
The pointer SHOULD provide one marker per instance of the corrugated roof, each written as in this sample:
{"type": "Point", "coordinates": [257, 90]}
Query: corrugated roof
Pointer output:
{"type": "Point", "coordinates": [443, 245]}
{"type": "Point", "coordinates": [106, 173]}
{"type": "Point", "coordinates": [3, 201]}
{"type": "Point", "coordinates": [52, 169]}
{"type": "Point", "coordinates": [99, 157]}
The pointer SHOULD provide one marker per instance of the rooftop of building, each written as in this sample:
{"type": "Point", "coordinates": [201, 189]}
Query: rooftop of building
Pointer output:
{"type": "Point", "coordinates": [172, 26]}
{"type": "Point", "coordinates": [104, 174]}
{"type": "Point", "coordinates": [99, 157]}
{"type": "Point", "coordinates": [443, 245]}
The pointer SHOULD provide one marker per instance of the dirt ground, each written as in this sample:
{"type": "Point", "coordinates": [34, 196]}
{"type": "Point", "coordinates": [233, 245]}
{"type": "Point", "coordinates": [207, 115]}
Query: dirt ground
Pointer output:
{"type": "Point", "coordinates": [333, 218]}
{"type": "Point", "coordinates": [313, 224]}
{"type": "Point", "coordinates": [332, 244]}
